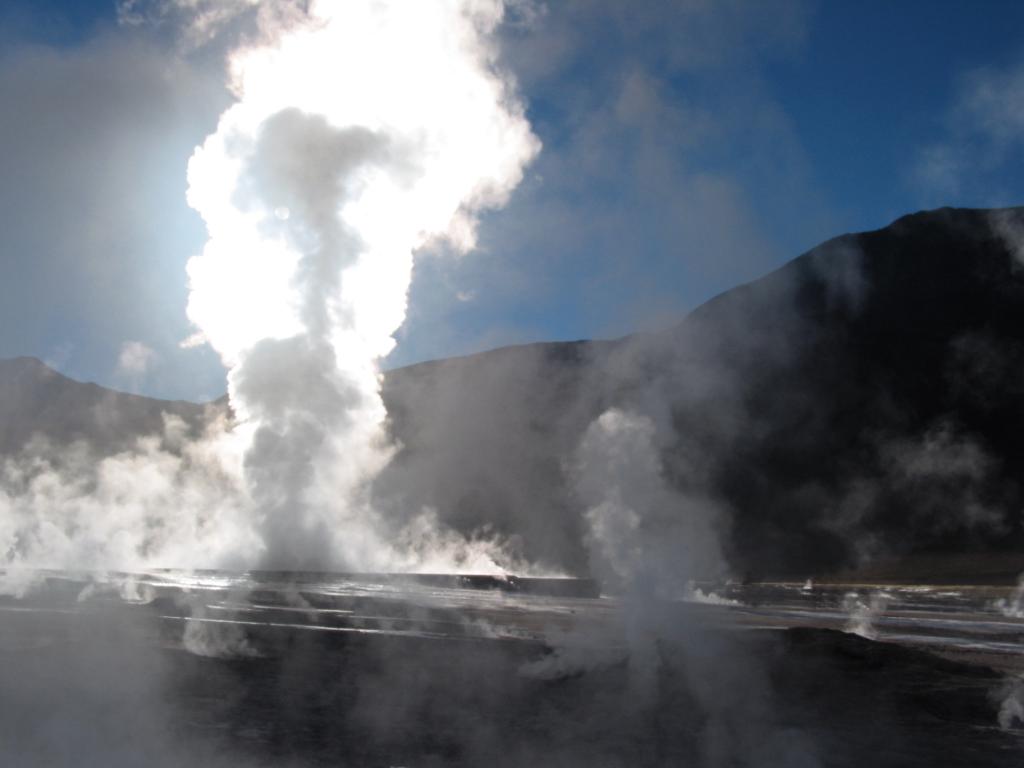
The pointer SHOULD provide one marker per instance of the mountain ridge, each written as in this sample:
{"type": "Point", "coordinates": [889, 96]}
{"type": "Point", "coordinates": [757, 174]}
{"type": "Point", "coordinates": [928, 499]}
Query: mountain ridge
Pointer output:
{"type": "Point", "coordinates": [857, 403]}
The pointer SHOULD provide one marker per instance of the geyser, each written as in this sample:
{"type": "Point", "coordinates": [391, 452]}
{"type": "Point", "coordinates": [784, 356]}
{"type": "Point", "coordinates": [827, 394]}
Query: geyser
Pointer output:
{"type": "Point", "coordinates": [362, 131]}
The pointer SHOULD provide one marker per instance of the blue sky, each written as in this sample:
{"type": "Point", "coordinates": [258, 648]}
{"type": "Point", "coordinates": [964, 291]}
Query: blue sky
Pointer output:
{"type": "Point", "coordinates": [688, 147]}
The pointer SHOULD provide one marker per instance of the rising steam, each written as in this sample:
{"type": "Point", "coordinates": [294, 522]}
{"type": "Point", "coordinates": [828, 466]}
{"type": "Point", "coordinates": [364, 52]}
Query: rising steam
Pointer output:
{"type": "Point", "coordinates": [361, 132]}
{"type": "Point", "coordinates": [642, 534]}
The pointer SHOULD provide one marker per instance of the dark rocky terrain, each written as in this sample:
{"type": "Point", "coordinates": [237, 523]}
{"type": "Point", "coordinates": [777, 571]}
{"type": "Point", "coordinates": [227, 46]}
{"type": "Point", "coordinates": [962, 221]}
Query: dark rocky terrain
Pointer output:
{"type": "Point", "coordinates": [862, 403]}
{"type": "Point", "coordinates": [110, 683]}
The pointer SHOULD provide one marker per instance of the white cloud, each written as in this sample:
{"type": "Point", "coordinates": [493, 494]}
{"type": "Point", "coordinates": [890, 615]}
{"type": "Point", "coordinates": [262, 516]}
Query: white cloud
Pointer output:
{"type": "Point", "coordinates": [135, 359]}
{"type": "Point", "coordinates": [192, 341]}
{"type": "Point", "coordinates": [984, 130]}
{"type": "Point", "coordinates": [195, 22]}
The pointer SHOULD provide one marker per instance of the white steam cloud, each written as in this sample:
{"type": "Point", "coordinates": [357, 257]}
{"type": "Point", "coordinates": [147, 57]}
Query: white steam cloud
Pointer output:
{"type": "Point", "coordinates": [862, 613]}
{"type": "Point", "coordinates": [169, 500]}
{"type": "Point", "coordinates": [361, 132]}
{"type": "Point", "coordinates": [134, 359]}
{"type": "Point", "coordinates": [642, 534]}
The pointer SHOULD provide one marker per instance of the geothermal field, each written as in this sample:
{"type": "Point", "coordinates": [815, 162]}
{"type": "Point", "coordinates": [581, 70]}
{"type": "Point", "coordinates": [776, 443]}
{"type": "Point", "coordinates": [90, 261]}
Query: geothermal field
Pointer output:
{"type": "Point", "coordinates": [275, 668]}
{"type": "Point", "coordinates": [404, 384]}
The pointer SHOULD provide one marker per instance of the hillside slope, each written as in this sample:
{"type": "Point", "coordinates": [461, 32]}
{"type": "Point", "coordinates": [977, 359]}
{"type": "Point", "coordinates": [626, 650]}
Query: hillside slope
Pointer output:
{"type": "Point", "coordinates": [37, 400]}
{"type": "Point", "coordinates": [864, 401]}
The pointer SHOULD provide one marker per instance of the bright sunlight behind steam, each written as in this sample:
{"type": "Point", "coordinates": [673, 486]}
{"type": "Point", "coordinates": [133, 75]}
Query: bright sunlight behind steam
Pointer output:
{"type": "Point", "coordinates": [362, 131]}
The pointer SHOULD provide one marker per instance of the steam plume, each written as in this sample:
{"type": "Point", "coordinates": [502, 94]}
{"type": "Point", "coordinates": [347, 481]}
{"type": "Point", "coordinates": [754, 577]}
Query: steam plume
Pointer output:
{"type": "Point", "coordinates": [642, 533]}
{"type": "Point", "coordinates": [362, 131]}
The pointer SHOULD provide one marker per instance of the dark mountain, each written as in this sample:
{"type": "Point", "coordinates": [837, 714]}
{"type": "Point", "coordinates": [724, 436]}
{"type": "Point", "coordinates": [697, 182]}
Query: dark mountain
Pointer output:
{"type": "Point", "coordinates": [879, 391]}
{"type": "Point", "coordinates": [864, 401]}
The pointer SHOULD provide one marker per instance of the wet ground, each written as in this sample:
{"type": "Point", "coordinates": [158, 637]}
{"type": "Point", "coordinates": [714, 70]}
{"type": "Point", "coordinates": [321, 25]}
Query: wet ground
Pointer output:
{"type": "Point", "coordinates": [973, 623]}
{"type": "Point", "coordinates": [313, 669]}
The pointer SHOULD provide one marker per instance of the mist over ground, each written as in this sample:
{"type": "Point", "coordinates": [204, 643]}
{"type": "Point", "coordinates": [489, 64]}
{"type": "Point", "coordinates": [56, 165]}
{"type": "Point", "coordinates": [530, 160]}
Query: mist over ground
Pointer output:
{"type": "Point", "coordinates": [854, 407]}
